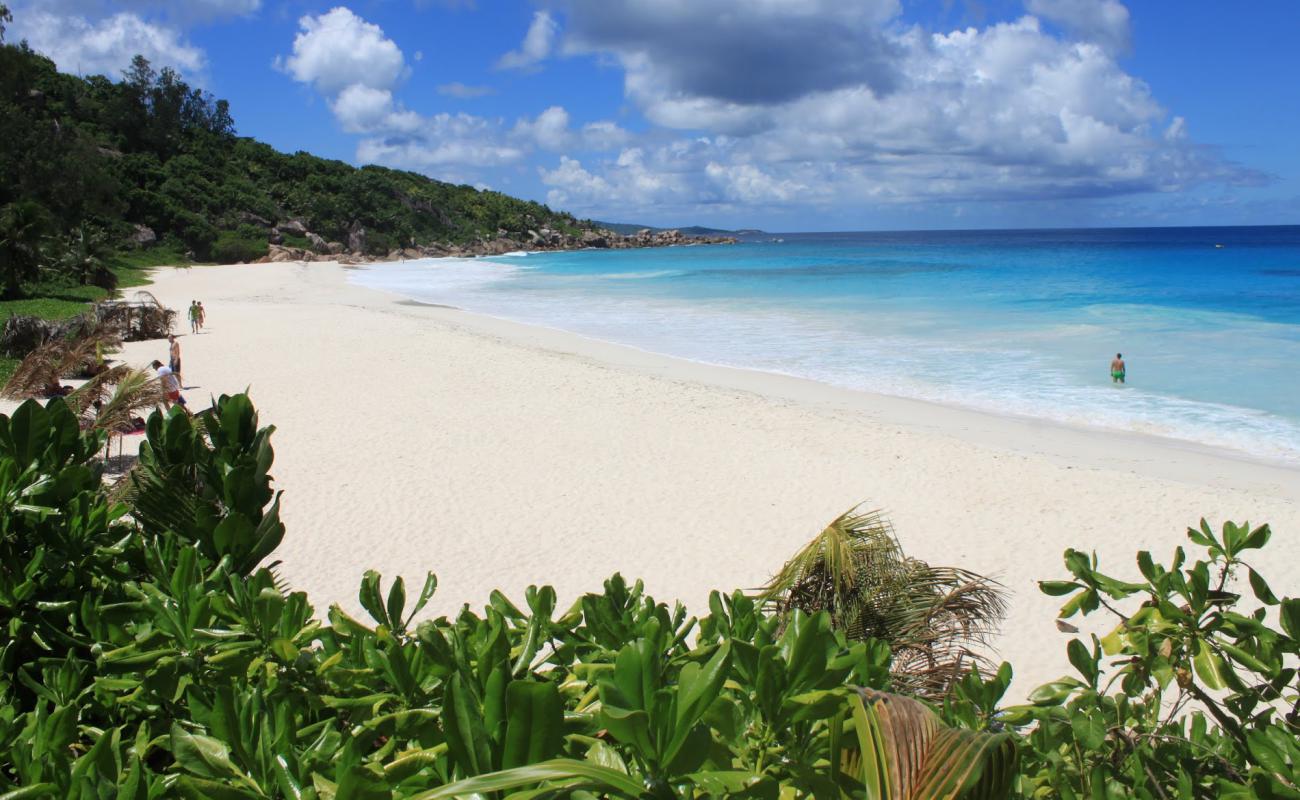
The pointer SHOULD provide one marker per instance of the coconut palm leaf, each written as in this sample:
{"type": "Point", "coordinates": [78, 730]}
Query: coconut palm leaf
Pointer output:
{"type": "Point", "coordinates": [905, 752]}
{"type": "Point", "coordinates": [37, 371]}
{"type": "Point", "coordinates": [82, 401]}
{"type": "Point", "coordinates": [134, 393]}
{"type": "Point", "coordinates": [934, 618]}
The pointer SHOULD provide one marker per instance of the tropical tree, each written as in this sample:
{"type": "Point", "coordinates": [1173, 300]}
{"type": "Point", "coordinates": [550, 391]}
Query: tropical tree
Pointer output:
{"type": "Point", "coordinates": [23, 225]}
{"type": "Point", "coordinates": [935, 619]}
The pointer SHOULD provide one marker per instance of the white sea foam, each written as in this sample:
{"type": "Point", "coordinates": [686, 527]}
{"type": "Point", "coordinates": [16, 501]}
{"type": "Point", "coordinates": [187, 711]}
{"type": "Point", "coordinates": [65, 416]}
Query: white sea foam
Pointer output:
{"type": "Point", "coordinates": [881, 351]}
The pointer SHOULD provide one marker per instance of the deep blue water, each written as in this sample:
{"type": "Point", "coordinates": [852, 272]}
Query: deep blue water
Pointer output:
{"type": "Point", "coordinates": [1018, 322]}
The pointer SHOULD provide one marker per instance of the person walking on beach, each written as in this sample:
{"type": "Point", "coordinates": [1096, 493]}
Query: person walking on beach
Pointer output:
{"type": "Point", "coordinates": [1117, 369]}
{"type": "Point", "coordinates": [171, 385]}
{"type": "Point", "coordinates": [194, 316]}
{"type": "Point", "coordinates": [203, 315]}
{"type": "Point", "coordinates": [174, 356]}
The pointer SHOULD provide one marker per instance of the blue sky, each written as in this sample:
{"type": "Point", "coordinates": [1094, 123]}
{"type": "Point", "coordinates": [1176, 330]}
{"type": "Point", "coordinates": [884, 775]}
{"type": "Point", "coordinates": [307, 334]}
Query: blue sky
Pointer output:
{"type": "Point", "coordinates": [779, 114]}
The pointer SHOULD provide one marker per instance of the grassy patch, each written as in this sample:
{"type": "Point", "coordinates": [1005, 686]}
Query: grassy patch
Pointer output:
{"type": "Point", "coordinates": [56, 300]}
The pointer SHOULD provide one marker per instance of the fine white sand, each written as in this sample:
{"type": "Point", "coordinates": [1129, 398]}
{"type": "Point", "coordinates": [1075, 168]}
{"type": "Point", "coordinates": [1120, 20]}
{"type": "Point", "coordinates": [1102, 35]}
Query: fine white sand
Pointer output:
{"type": "Point", "coordinates": [413, 438]}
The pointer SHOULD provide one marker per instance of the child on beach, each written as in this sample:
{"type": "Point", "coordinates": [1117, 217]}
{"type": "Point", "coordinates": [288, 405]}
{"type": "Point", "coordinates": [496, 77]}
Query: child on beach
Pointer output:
{"type": "Point", "coordinates": [1117, 369]}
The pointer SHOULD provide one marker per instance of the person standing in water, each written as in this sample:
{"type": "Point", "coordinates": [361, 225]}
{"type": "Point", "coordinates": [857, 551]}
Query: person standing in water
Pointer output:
{"type": "Point", "coordinates": [1117, 369]}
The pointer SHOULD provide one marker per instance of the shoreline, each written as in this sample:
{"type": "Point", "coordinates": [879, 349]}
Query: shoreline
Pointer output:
{"type": "Point", "coordinates": [498, 455]}
{"type": "Point", "coordinates": [1097, 443]}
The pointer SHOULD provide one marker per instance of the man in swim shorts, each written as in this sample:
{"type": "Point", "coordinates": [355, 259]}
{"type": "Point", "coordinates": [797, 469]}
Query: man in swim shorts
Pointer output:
{"type": "Point", "coordinates": [1117, 369]}
{"type": "Point", "coordinates": [171, 385]}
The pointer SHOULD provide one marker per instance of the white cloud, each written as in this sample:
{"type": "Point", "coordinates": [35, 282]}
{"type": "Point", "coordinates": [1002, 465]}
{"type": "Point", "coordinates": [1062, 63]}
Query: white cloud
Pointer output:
{"type": "Point", "coordinates": [536, 45]}
{"type": "Point", "coordinates": [1104, 22]}
{"type": "Point", "coordinates": [549, 131]}
{"type": "Point", "coordinates": [443, 140]}
{"type": "Point", "coordinates": [104, 46]}
{"type": "Point", "coordinates": [603, 135]}
{"type": "Point", "coordinates": [338, 49]}
{"type": "Point", "coordinates": [458, 89]}
{"type": "Point", "coordinates": [1006, 112]}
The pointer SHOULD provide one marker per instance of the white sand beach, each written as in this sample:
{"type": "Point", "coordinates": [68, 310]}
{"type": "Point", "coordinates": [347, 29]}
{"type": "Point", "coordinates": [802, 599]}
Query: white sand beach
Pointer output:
{"type": "Point", "coordinates": [413, 438]}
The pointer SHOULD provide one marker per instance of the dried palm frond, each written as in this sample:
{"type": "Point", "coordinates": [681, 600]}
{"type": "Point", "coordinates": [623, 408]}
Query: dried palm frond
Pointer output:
{"type": "Point", "coordinates": [39, 370]}
{"type": "Point", "coordinates": [82, 400]}
{"type": "Point", "coordinates": [934, 618]}
{"type": "Point", "coordinates": [134, 392]}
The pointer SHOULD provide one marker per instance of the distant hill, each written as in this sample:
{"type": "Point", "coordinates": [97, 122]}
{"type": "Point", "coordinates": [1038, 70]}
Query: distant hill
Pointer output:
{"type": "Point", "coordinates": [626, 228]}
{"type": "Point", "coordinates": [149, 161]}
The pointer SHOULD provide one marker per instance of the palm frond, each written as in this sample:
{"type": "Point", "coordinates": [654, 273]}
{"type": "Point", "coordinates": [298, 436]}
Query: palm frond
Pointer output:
{"type": "Point", "coordinates": [82, 401]}
{"type": "Point", "coordinates": [38, 370]}
{"type": "Point", "coordinates": [134, 393]}
{"type": "Point", "coordinates": [935, 619]}
{"type": "Point", "coordinates": [905, 752]}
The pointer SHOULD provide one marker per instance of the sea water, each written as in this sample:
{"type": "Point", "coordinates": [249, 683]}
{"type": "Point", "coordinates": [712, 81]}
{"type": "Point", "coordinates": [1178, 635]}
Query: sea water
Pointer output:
{"type": "Point", "coordinates": [1010, 322]}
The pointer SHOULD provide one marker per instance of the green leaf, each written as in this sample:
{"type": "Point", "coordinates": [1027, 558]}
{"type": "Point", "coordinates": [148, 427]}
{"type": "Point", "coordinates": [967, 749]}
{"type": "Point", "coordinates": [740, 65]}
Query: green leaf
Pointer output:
{"type": "Point", "coordinates": [370, 598]}
{"type": "Point", "coordinates": [30, 792]}
{"type": "Point", "coordinates": [1083, 660]}
{"type": "Point", "coordinates": [1261, 589]}
{"type": "Point", "coordinates": [1290, 614]}
{"type": "Point", "coordinates": [558, 770]}
{"type": "Point", "coordinates": [1058, 588]}
{"type": "Point", "coordinates": [1257, 538]}
{"type": "Point", "coordinates": [1208, 665]}
{"type": "Point", "coordinates": [362, 782]}
{"type": "Point", "coordinates": [396, 602]}
{"type": "Point", "coordinates": [426, 593]}
{"type": "Point", "coordinates": [1089, 729]}
{"type": "Point", "coordinates": [1054, 693]}
{"type": "Point", "coordinates": [465, 730]}
{"type": "Point", "coordinates": [534, 730]}
{"type": "Point", "coordinates": [205, 756]}
{"type": "Point", "coordinates": [202, 789]}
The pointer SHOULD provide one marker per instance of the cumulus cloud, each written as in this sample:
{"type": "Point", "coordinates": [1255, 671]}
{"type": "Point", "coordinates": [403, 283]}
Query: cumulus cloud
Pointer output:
{"type": "Point", "coordinates": [536, 45]}
{"type": "Point", "coordinates": [627, 182]}
{"type": "Point", "coordinates": [1008, 111]}
{"type": "Point", "coordinates": [733, 52]}
{"type": "Point", "coordinates": [105, 46]}
{"type": "Point", "coordinates": [443, 140]}
{"type": "Point", "coordinates": [458, 89]}
{"type": "Point", "coordinates": [1104, 22]}
{"type": "Point", "coordinates": [338, 49]}
{"type": "Point", "coordinates": [550, 130]}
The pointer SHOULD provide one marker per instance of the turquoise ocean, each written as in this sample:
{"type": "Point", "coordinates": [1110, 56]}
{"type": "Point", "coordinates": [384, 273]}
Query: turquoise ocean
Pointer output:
{"type": "Point", "coordinates": [1009, 322]}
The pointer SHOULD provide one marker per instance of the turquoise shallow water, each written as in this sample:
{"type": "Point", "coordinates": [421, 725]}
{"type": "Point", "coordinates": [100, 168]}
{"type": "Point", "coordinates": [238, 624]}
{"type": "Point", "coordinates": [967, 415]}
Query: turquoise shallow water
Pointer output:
{"type": "Point", "coordinates": [1013, 322]}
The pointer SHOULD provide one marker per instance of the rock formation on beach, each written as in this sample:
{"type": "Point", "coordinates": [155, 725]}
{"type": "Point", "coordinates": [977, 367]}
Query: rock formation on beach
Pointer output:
{"type": "Point", "coordinates": [503, 242]}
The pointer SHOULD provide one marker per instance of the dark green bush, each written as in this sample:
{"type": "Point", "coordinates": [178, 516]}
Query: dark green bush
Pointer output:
{"type": "Point", "coordinates": [231, 247]}
{"type": "Point", "coordinates": [147, 652]}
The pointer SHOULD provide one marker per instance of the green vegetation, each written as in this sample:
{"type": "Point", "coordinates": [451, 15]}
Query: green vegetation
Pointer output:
{"type": "Point", "coordinates": [147, 653]}
{"type": "Point", "coordinates": [90, 168]}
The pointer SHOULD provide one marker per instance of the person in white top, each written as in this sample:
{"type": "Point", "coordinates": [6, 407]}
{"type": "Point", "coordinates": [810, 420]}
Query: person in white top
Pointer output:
{"type": "Point", "coordinates": [171, 385]}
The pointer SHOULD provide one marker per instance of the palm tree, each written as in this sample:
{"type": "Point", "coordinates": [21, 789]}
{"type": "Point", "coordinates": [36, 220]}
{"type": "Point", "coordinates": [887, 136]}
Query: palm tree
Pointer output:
{"type": "Point", "coordinates": [22, 228]}
{"type": "Point", "coordinates": [934, 618]}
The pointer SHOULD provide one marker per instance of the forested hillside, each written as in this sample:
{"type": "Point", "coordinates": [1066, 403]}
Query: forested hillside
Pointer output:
{"type": "Point", "coordinates": [93, 165]}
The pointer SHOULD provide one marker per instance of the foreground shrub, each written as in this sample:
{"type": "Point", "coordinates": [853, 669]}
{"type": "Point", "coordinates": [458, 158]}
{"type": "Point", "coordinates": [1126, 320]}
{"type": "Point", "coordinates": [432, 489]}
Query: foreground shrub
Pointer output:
{"type": "Point", "coordinates": [148, 653]}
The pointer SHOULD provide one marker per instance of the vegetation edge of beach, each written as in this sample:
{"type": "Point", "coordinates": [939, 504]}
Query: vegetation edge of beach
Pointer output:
{"type": "Point", "coordinates": [149, 651]}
